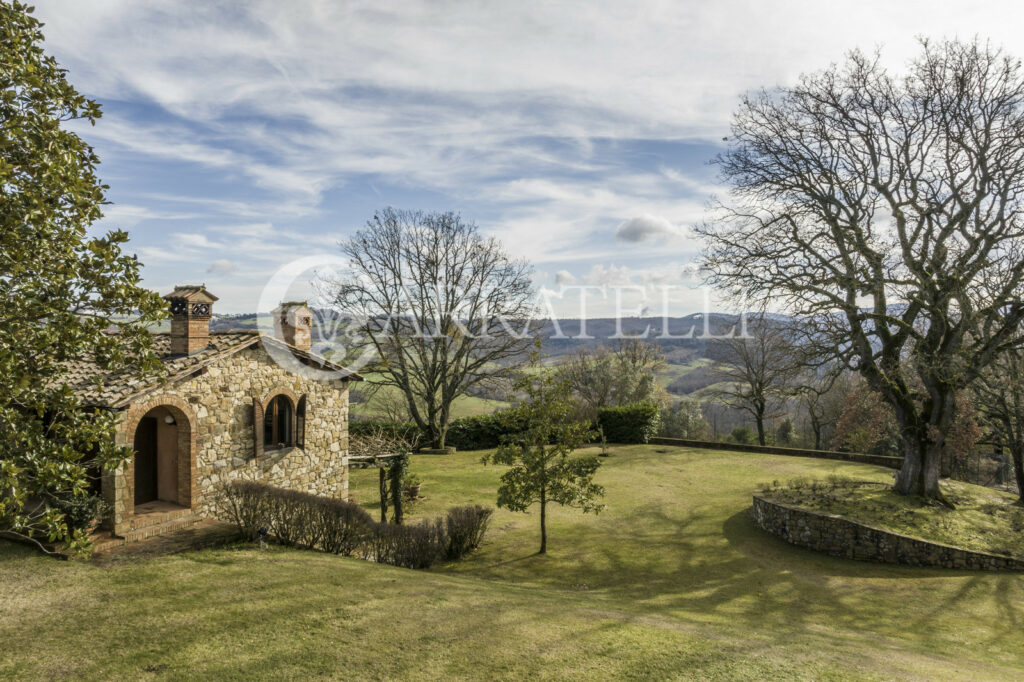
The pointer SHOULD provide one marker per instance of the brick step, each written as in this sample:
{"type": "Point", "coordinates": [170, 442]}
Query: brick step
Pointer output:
{"type": "Point", "coordinates": [148, 519]}
{"type": "Point", "coordinates": [182, 522]}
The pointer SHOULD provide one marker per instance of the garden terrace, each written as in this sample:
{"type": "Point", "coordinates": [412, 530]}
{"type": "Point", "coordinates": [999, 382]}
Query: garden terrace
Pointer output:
{"type": "Point", "coordinates": [672, 580]}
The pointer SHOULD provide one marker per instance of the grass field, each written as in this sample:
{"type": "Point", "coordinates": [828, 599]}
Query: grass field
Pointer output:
{"type": "Point", "coordinates": [671, 581]}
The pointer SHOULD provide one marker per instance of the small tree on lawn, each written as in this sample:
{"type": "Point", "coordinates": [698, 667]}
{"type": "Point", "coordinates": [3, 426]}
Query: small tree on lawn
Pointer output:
{"type": "Point", "coordinates": [542, 468]}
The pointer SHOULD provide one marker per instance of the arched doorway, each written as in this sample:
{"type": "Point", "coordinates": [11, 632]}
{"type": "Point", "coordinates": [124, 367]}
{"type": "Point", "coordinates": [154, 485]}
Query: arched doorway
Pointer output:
{"type": "Point", "coordinates": [162, 460]}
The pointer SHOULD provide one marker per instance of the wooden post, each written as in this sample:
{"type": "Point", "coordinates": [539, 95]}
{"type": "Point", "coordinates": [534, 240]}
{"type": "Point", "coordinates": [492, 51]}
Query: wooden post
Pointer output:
{"type": "Point", "coordinates": [383, 493]}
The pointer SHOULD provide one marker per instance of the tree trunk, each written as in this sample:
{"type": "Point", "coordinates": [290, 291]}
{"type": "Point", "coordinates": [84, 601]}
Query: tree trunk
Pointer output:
{"type": "Point", "coordinates": [543, 522]}
{"type": "Point", "coordinates": [1017, 452]}
{"type": "Point", "coordinates": [759, 419]}
{"type": "Point", "coordinates": [437, 437]}
{"type": "Point", "coordinates": [920, 472]}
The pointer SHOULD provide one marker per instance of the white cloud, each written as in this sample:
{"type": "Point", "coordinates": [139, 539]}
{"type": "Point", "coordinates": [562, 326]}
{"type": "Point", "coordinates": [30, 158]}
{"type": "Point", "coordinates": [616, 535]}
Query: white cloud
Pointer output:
{"type": "Point", "coordinates": [564, 278]}
{"type": "Point", "coordinates": [221, 266]}
{"type": "Point", "coordinates": [646, 227]}
{"type": "Point", "coordinates": [506, 108]}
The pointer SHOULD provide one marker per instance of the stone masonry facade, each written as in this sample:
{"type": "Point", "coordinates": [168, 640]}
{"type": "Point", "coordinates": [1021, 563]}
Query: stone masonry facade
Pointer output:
{"type": "Point", "coordinates": [214, 412]}
{"type": "Point", "coordinates": [841, 537]}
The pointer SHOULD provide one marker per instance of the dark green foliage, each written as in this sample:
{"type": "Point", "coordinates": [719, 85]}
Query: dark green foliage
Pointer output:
{"type": "Point", "coordinates": [742, 434]}
{"type": "Point", "coordinates": [785, 432]}
{"type": "Point", "coordinates": [481, 432]}
{"type": "Point", "coordinates": [60, 291]}
{"type": "Point", "coordinates": [81, 510]}
{"type": "Point", "coordinates": [302, 520]}
{"type": "Point", "coordinates": [484, 431]}
{"type": "Point", "coordinates": [629, 423]}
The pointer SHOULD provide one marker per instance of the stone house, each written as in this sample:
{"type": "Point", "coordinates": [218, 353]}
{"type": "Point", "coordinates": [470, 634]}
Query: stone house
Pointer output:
{"type": "Point", "coordinates": [234, 404]}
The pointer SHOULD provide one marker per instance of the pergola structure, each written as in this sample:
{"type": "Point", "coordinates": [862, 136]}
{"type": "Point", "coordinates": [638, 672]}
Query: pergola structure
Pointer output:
{"type": "Point", "coordinates": [392, 468]}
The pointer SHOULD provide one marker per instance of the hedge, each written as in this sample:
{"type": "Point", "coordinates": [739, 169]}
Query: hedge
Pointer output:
{"type": "Point", "coordinates": [465, 433]}
{"type": "Point", "coordinates": [629, 423]}
{"type": "Point", "coordinates": [302, 520]}
{"type": "Point", "coordinates": [484, 431]}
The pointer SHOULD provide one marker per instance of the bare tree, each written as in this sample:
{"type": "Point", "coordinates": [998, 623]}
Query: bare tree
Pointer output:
{"type": "Point", "coordinates": [757, 370]}
{"type": "Point", "coordinates": [624, 375]}
{"type": "Point", "coordinates": [1000, 393]}
{"type": "Point", "coordinates": [887, 213]}
{"type": "Point", "coordinates": [441, 306]}
{"type": "Point", "coordinates": [823, 394]}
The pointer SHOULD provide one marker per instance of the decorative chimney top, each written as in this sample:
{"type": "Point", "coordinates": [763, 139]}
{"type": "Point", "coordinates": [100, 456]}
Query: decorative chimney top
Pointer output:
{"type": "Point", "coordinates": [191, 307]}
{"type": "Point", "coordinates": [293, 324]}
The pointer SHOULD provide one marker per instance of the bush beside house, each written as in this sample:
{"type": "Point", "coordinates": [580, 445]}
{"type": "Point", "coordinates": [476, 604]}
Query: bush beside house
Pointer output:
{"type": "Point", "coordinates": [308, 521]}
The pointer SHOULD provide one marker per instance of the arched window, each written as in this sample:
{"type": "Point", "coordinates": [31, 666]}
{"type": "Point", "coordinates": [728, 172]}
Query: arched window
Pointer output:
{"type": "Point", "coordinates": [278, 422]}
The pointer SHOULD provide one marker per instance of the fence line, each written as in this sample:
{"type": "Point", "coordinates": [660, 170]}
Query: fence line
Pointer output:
{"type": "Point", "coordinates": [862, 457]}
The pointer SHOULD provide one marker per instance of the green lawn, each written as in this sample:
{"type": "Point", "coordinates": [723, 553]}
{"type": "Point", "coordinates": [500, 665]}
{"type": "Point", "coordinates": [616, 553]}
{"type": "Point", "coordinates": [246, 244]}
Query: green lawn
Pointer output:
{"type": "Point", "coordinates": [672, 581]}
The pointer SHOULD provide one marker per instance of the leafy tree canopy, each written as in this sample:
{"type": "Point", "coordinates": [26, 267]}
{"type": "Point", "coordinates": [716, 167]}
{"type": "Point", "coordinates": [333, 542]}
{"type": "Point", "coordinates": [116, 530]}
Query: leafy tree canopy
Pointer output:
{"type": "Point", "coordinates": [61, 291]}
{"type": "Point", "coordinates": [541, 466]}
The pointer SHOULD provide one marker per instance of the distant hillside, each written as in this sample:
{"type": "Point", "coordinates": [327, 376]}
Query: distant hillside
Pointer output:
{"type": "Point", "coordinates": [601, 331]}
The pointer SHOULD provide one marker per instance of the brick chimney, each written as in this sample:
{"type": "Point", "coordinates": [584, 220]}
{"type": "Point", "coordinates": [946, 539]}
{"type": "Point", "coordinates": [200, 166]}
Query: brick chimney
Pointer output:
{"type": "Point", "coordinates": [293, 324]}
{"type": "Point", "coordinates": [190, 318]}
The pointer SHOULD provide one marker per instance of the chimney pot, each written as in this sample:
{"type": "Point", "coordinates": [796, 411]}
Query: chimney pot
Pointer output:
{"type": "Point", "coordinates": [293, 324]}
{"type": "Point", "coordinates": [191, 308]}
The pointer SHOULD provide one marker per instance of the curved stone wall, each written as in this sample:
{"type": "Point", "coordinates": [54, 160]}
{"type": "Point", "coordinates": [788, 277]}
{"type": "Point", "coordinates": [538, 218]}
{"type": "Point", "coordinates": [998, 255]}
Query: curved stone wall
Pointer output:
{"type": "Point", "coordinates": [848, 539]}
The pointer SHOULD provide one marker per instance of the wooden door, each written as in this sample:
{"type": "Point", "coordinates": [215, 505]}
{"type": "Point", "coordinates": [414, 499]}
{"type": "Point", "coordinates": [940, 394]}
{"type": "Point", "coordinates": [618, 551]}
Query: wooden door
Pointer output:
{"type": "Point", "coordinates": [145, 461]}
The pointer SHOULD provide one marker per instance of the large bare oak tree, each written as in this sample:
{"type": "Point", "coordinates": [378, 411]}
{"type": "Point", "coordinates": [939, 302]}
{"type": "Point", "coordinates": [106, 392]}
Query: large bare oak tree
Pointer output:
{"type": "Point", "coordinates": [442, 307]}
{"type": "Point", "coordinates": [886, 211]}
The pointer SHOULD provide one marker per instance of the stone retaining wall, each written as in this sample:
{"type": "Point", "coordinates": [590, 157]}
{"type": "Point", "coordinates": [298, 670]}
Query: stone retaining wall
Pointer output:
{"type": "Point", "coordinates": [863, 458]}
{"type": "Point", "coordinates": [848, 539]}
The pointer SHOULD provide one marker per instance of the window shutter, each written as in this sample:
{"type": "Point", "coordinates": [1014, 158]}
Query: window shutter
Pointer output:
{"type": "Point", "coordinates": [300, 423]}
{"type": "Point", "coordinates": [257, 427]}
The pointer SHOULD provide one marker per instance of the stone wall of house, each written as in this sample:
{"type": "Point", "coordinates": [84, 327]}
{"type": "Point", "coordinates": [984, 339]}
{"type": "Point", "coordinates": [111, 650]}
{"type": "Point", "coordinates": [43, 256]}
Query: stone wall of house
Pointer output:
{"type": "Point", "coordinates": [848, 539]}
{"type": "Point", "coordinates": [218, 401]}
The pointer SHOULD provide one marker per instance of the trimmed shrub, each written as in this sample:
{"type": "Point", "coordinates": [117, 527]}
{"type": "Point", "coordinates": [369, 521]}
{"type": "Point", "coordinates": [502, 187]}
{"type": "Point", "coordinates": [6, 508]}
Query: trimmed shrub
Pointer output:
{"type": "Point", "coordinates": [481, 432]}
{"type": "Point", "coordinates": [293, 518]}
{"type": "Point", "coordinates": [465, 528]}
{"type": "Point", "coordinates": [484, 431]}
{"type": "Point", "coordinates": [301, 520]}
{"type": "Point", "coordinates": [246, 503]}
{"type": "Point", "coordinates": [417, 545]}
{"type": "Point", "coordinates": [344, 526]}
{"type": "Point", "coordinates": [629, 423]}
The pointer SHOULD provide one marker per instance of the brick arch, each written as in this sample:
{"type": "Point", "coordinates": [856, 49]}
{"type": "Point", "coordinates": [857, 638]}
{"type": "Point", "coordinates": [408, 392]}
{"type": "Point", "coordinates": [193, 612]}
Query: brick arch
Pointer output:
{"type": "Point", "coordinates": [298, 423]}
{"type": "Point", "coordinates": [137, 411]}
{"type": "Point", "coordinates": [187, 423]}
{"type": "Point", "coordinates": [280, 389]}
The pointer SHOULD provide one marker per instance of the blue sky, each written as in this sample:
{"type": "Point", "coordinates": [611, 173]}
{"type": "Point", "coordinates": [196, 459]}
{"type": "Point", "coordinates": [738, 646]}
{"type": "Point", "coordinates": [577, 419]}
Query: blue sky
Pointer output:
{"type": "Point", "coordinates": [238, 137]}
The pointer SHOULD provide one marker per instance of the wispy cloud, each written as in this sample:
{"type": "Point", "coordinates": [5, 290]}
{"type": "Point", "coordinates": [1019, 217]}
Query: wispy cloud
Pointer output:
{"type": "Point", "coordinates": [273, 129]}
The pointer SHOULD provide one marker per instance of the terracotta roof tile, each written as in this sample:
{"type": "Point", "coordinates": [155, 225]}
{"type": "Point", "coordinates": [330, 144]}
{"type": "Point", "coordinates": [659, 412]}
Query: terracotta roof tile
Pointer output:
{"type": "Point", "coordinates": [98, 387]}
